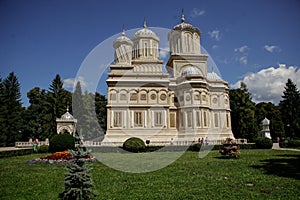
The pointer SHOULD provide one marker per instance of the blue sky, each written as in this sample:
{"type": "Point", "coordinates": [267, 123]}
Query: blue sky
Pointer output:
{"type": "Point", "coordinates": [255, 41]}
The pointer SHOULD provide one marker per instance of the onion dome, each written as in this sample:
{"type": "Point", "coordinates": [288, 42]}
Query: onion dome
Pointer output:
{"type": "Point", "coordinates": [183, 26]}
{"type": "Point", "coordinates": [145, 32]}
{"type": "Point", "coordinates": [67, 116]}
{"type": "Point", "coordinates": [213, 76]}
{"type": "Point", "coordinates": [265, 121]}
{"type": "Point", "coordinates": [191, 71]}
{"type": "Point", "coordinates": [122, 40]}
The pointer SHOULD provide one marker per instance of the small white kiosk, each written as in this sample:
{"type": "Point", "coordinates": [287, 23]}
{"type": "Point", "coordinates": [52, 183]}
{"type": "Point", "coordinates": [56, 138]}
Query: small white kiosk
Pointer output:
{"type": "Point", "coordinates": [265, 132]}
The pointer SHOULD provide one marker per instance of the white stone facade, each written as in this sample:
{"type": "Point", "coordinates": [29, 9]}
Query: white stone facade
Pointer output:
{"type": "Point", "coordinates": [66, 124]}
{"type": "Point", "coordinates": [185, 104]}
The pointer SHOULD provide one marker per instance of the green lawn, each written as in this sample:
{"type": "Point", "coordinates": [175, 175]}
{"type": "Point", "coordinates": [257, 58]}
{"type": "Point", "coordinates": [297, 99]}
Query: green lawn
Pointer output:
{"type": "Point", "coordinates": [258, 174]}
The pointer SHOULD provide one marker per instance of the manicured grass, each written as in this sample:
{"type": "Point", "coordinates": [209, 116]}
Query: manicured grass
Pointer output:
{"type": "Point", "coordinates": [258, 174]}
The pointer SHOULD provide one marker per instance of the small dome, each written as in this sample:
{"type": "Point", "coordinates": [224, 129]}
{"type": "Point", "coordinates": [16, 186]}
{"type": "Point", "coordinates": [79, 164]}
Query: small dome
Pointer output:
{"type": "Point", "coordinates": [145, 32]}
{"type": "Point", "coordinates": [185, 26]}
{"type": "Point", "coordinates": [191, 71]}
{"type": "Point", "coordinates": [265, 121]}
{"type": "Point", "coordinates": [213, 76]}
{"type": "Point", "coordinates": [123, 40]}
{"type": "Point", "coordinates": [67, 116]}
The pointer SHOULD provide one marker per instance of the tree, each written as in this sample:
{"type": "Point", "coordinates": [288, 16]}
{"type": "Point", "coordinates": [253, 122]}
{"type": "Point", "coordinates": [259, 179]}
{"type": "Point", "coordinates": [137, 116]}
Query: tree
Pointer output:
{"type": "Point", "coordinates": [58, 99]}
{"type": "Point", "coordinates": [90, 127]}
{"type": "Point", "coordinates": [100, 104]}
{"type": "Point", "coordinates": [10, 110]}
{"type": "Point", "coordinates": [272, 112]}
{"type": "Point", "coordinates": [2, 115]}
{"type": "Point", "coordinates": [243, 113]}
{"type": "Point", "coordinates": [290, 109]}
{"type": "Point", "coordinates": [90, 112]}
{"type": "Point", "coordinates": [78, 182]}
{"type": "Point", "coordinates": [77, 104]}
{"type": "Point", "coordinates": [33, 116]}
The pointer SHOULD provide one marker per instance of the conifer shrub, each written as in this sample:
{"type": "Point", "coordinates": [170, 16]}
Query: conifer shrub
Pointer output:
{"type": "Point", "coordinates": [78, 181]}
{"type": "Point", "coordinates": [264, 143]}
{"type": "Point", "coordinates": [61, 142]}
{"type": "Point", "coordinates": [43, 149]}
{"type": "Point", "coordinates": [134, 144]}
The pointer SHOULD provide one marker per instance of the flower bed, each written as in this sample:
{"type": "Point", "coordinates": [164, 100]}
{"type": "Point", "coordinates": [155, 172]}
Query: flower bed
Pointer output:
{"type": "Point", "coordinates": [230, 149]}
{"type": "Point", "coordinates": [62, 157]}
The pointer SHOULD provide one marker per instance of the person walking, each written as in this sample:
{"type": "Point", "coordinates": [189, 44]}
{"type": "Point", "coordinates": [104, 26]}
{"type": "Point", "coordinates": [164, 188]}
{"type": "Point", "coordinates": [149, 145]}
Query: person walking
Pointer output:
{"type": "Point", "coordinates": [35, 145]}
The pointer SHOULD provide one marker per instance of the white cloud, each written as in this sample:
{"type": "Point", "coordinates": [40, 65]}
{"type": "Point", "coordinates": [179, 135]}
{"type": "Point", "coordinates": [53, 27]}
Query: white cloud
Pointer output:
{"type": "Point", "coordinates": [244, 60]}
{"type": "Point", "coordinates": [272, 48]}
{"type": "Point", "coordinates": [69, 83]}
{"type": "Point", "coordinates": [214, 47]}
{"type": "Point", "coordinates": [197, 12]}
{"type": "Point", "coordinates": [242, 54]}
{"type": "Point", "coordinates": [242, 49]}
{"type": "Point", "coordinates": [267, 85]}
{"type": "Point", "coordinates": [215, 34]}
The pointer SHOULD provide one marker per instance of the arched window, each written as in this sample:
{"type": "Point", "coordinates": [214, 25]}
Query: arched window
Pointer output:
{"type": "Point", "coordinates": [145, 50]}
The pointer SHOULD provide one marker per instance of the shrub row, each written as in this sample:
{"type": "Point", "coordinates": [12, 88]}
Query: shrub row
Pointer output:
{"type": "Point", "coordinates": [264, 143]}
{"type": "Point", "coordinates": [17, 152]}
{"type": "Point", "coordinates": [289, 144]}
{"type": "Point", "coordinates": [43, 149]}
{"type": "Point", "coordinates": [197, 147]}
{"type": "Point", "coordinates": [294, 143]}
{"type": "Point", "coordinates": [61, 142]}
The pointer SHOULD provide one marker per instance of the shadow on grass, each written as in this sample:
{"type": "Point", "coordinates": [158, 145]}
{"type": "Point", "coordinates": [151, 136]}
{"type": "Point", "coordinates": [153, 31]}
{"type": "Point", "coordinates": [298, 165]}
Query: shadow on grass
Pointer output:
{"type": "Point", "coordinates": [225, 158]}
{"type": "Point", "coordinates": [285, 166]}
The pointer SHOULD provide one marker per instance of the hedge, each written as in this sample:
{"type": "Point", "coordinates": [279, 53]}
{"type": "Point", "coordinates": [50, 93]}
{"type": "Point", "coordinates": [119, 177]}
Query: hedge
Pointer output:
{"type": "Point", "coordinates": [294, 143]}
{"type": "Point", "coordinates": [61, 142]}
{"type": "Point", "coordinates": [17, 152]}
{"type": "Point", "coordinates": [264, 143]}
{"type": "Point", "coordinates": [197, 147]}
{"type": "Point", "coordinates": [289, 143]}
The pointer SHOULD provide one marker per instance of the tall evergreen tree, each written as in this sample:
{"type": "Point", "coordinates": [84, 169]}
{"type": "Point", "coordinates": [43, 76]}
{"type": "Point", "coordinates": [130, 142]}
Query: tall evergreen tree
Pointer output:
{"type": "Point", "coordinates": [57, 101]}
{"type": "Point", "coordinates": [78, 108]}
{"type": "Point", "coordinates": [90, 127]}
{"type": "Point", "coordinates": [243, 113]}
{"type": "Point", "coordinates": [2, 115]}
{"type": "Point", "coordinates": [56, 94]}
{"type": "Point", "coordinates": [11, 110]}
{"type": "Point", "coordinates": [290, 109]}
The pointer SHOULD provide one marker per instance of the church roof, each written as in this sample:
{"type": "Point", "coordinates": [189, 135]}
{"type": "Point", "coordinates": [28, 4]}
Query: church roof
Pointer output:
{"type": "Point", "coordinates": [67, 116]}
{"type": "Point", "coordinates": [191, 71]}
{"type": "Point", "coordinates": [213, 76]}
{"type": "Point", "coordinates": [265, 121]}
{"type": "Point", "coordinates": [145, 32]}
{"type": "Point", "coordinates": [123, 39]}
{"type": "Point", "coordinates": [183, 26]}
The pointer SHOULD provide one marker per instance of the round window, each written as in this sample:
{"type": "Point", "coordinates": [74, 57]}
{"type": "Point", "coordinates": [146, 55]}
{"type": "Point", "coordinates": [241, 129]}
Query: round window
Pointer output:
{"type": "Point", "coordinates": [163, 97]}
{"type": "Point", "coordinates": [153, 96]}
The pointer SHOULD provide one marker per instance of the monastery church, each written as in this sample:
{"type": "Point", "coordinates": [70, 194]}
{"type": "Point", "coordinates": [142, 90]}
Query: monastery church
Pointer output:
{"type": "Point", "coordinates": [183, 104]}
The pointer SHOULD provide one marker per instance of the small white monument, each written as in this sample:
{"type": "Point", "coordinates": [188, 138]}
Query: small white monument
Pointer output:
{"type": "Point", "coordinates": [265, 132]}
{"type": "Point", "coordinates": [66, 124]}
